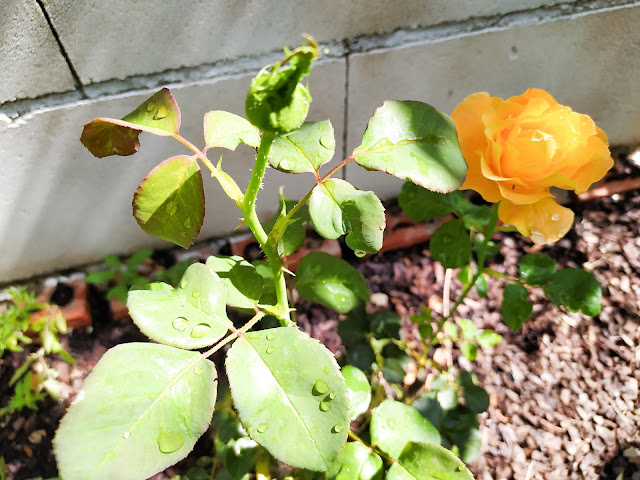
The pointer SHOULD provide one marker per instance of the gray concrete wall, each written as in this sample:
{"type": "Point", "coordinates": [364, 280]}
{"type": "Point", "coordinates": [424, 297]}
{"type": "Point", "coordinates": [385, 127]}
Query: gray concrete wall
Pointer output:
{"type": "Point", "coordinates": [62, 63]}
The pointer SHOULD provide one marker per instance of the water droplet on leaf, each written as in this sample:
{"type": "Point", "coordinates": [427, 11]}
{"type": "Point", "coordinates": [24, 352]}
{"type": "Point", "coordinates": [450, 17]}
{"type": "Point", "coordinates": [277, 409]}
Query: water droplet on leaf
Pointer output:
{"type": "Point", "coordinates": [200, 331]}
{"type": "Point", "coordinates": [337, 428]}
{"type": "Point", "coordinates": [320, 387]}
{"type": "Point", "coordinates": [262, 428]}
{"type": "Point", "coordinates": [187, 223]}
{"type": "Point", "coordinates": [270, 349]}
{"type": "Point", "coordinates": [172, 207]}
{"type": "Point", "coordinates": [162, 112]}
{"type": "Point", "coordinates": [327, 141]}
{"type": "Point", "coordinates": [325, 406]}
{"type": "Point", "coordinates": [197, 370]}
{"type": "Point", "coordinates": [150, 106]}
{"type": "Point", "coordinates": [195, 294]}
{"type": "Point", "coordinates": [332, 396]}
{"type": "Point", "coordinates": [555, 217]}
{"type": "Point", "coordinates": [287, 163]}
{"type": "Point", "coordinates": [180, 323]}
{"type": "Point", "coordinates": [326, 369]}
{"type": "Point", "coordinates": [271, 336]}
{"type": "Point", "coordinates": [126, 434]}
{"type": "Point", "coordinates": [169, 442]}
{"type": "Point", "coordinates": [359, 254]}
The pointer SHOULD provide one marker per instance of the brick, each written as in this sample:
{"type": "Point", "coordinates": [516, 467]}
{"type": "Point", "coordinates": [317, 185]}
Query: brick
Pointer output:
{"type": "Point", "coordinates": [588, 62]}
{"type": "Point", "coordinates": [31, 64]}
{"type": "Point", "coordinates": [145, 37]}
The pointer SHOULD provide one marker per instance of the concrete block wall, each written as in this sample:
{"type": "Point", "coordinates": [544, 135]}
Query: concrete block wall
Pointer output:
{"type": "Point", "coordinates": [63, 63]}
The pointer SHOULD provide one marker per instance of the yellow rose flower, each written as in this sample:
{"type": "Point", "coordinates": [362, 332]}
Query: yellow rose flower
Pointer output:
{"type": "Point", "coordinates": [517, 149]}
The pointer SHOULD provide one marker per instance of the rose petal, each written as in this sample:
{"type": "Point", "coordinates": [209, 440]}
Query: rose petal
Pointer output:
{"type": "Point", "coordinates": [544, 221]}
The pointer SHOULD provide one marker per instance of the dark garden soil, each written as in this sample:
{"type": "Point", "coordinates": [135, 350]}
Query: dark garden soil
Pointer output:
{"type": "Point", "coordinates": [564, 392]}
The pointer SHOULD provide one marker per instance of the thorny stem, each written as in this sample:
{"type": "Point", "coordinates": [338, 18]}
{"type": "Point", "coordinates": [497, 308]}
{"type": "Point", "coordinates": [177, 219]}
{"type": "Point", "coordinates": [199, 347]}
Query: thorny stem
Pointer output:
{"type": "Point", "coordinates": [252, 221]}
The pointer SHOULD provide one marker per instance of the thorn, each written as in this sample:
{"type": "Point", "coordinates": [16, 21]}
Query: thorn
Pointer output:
{"type": "Point", "coordinates": [285, 269]}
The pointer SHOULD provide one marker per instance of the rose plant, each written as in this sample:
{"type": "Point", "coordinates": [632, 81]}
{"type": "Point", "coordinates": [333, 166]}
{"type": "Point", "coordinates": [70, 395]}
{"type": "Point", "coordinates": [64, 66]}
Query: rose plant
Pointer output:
{"type": "Point", "coordinates": [145, 404]}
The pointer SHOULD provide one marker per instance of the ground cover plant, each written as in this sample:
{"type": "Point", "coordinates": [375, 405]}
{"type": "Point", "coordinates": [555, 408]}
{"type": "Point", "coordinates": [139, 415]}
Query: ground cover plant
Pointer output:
{"type": "Point", "coordinates": [145, 405]}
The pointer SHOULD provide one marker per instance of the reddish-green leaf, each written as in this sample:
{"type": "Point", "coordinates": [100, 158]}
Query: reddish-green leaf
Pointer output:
{"type": "Point", "coordinates": [159, 115]}
{"type": "Point", "coordinates": [169, 202]}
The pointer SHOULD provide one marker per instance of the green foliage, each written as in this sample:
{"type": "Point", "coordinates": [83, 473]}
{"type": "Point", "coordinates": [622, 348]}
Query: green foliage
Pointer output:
{"type": "Point", "coordinates": [330, 281]}
{"type": "Point", "coordinates": [536, 268]}
{"type": "Point", "coordinates": [516, 309]}
{"type": "Point", "coordinates": [338, 208]}
{"type": "Point", "coordinates": [414, 141]}
{"type": "Point", "coordinates": [193, 315]}
{"type": "Point", "coordinates": [305, 149]}
{"type": "Point", "coordinates": [277, 101]}
{"type": "Point", "coordinates": [451, 245]}
{"type": "Point", "coordinates": [424, 461]}
{"type": "Point", "coordinates": [121, 276]}
{"type": "Point", "coordinates": [356, 462]}
{"type": "Point", "coordinates": [299, 412]}
{"type": "Point", "coordinates": [154, 403]}
{"type": "Point", "coordinates": [18, 327]}
{"type": "Point", "coordinates": [576, 289]}
{"type": "Point", "coordinates": [169, 202]}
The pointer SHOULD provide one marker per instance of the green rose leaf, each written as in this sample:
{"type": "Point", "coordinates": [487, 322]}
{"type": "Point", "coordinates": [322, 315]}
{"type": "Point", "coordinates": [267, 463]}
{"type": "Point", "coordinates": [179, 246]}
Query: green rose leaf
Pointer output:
{"type": "Point", "coordinates": [331, 281]}
{"type": "Point", "coordinates": [143, 406]}
{"type": "Point", "coordinates": [576, 289]}
{"type": "Point", "coordinates": [295, 232]}
{"type": "Point", "coordinates": [536, 268]}
{"type": "Point", "coordinates": [337, 208]}
{"type": "Point", "coordinates": [193, 315]}
{"type": "Point", "coordinates": [427, 461]}
{"type": "Point", "coordinates": [421, 204]}
{"type": "Point", "coordinates": [228, 130]}
{"type": "Point", "coordinates": [468, 328]}
{"type": "Point", "coordinates": [169, 202]}
{"type": "Point", "coordinates": [516, 309]}
{"type": "Point", "coordinates": [290, 396]}
{"type": "Point", "coordinates": [244, 284]}
{"type": "Point", "coordinates": [394, 425]}
{"type": "Point", "coordinates": [269, 296]}
{"type": "Point", "coordinates": [385, 324]}
{"type": "Point", "coordinates": [488, 338]}
{"type": "Point", "coordinates": [356, 462]}
{"type": "Point", "coordinates": [159, 115]}
{"type": "Point", "coordinates": [450, 244]}
{"type": "Point", "coordinates": [469, 350]}
{"type": "Point", "coordinates": [414, 141]}
{"type": "Point", "coordinates": [277, 101]}
{"type": "Point", "coordinates": [358, 388]}
{"type": "Point", "coordinates": [305, 149]}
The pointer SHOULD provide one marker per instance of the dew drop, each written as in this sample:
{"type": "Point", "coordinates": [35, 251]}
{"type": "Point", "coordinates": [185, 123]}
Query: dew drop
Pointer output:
{"type": "Point", "coordinates": [197, 370]}
{"type": "Point", "coordinates": [270, 349]}
{"type": "Point", "coordinates": [359, 253]}
{"type": "Point", "coordinates": [326, 369]}
{"type": "Point", "coordinates": [262, 428]}
{"type": "Point", "coordinates": [126, 434]}
{"type": "Point", "coordinates": [537, 237]}
{"type": "Point", "coordinates": [325, 406]}
{"type": "Point", "coordinates": [343, 299]}
{"type": "Point", "coordinates": [390, 170]}
{"type": "Point", "coordinates": [200, 330]}
{"type": "Point", "coordinates": [195, 294]}
{"type": "Point", "coordinates": [180, 323]}
{"type": "Point", "coordinates": [327, 141]}
{"type": "Point", "coordinates": [320, 387]}
{"type": "Point", "coordinates": [172, 207]}
{"type": "Point", "coordinates": [162, 112]}
{"type": "Point", "coordinates": [555, 217]}
{"type": "Point", "coordinates": [169, 442]}
{"type": "Point", "coordinates": [332, 396]}
{"type": "Point", "coordinates": [287, 163]}
{"type": "Point", "coordinates": [271, 336]}
{"type": "Point", "coordinates": [187, 223]}
{"type": "Point", "coordinates": [337, 428]}
{"type": "Point", "coordinates": [183, 284]}
{"type": "Point", "coordinates": [150, 106]}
